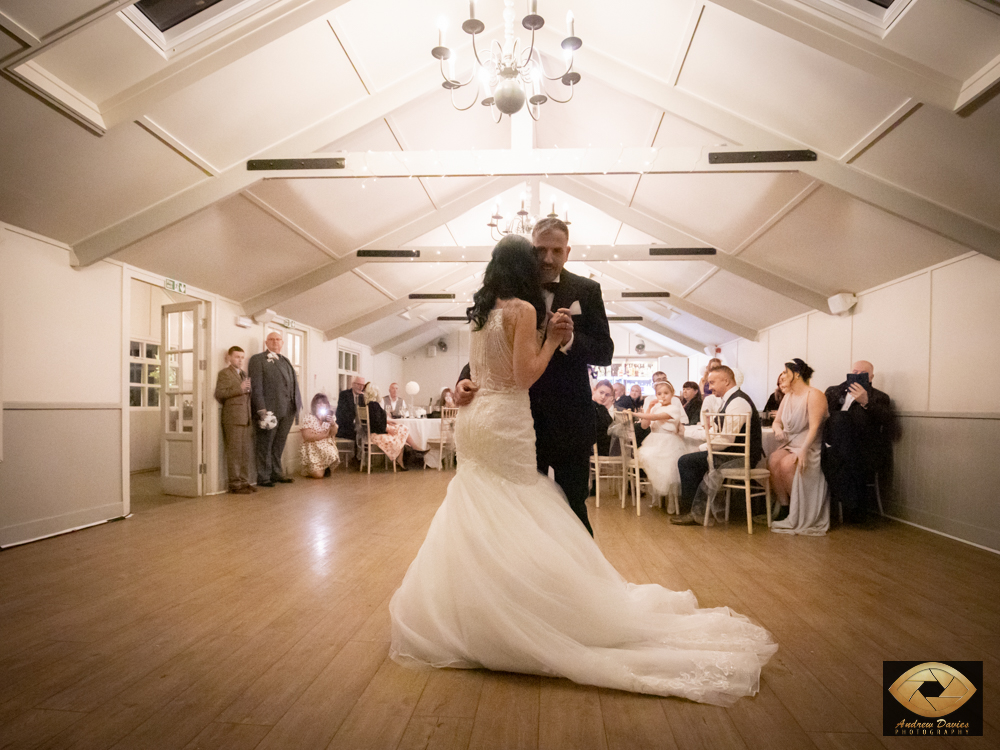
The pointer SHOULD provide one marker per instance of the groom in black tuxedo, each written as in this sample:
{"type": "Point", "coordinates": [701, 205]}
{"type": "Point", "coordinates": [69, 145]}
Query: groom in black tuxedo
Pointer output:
{"type": "Point", "coordinates": [561, 398]}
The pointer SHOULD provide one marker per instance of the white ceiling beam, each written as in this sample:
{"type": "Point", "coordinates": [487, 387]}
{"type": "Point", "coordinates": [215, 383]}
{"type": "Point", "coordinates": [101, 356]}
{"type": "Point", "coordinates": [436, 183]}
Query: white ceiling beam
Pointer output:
{"type": "Point", "coordinates": [657, 228]}
{"type": "Point", "coordinates": [420, 330]}
{"type": "Point", "coordinates": [979, 83]}
{"type": "Point", "coordinates": [650, 334]}
{"type": "Point", "coordinates": [619, 274]}
{"type": "Point", "coordinates": [678, 338]}
{"type": "Point", "coordinates": [397, 306]}
{"type": "Point", "coordinates": [889, 197]}
{"type": "Point", "coordinates": [412, 230]}
{"type": "Point", "coordinates": [534, 162]}
{"type": "Point", "coordinates": [861, 51]}
{"type": "Point", "coordinates": [110, 240]}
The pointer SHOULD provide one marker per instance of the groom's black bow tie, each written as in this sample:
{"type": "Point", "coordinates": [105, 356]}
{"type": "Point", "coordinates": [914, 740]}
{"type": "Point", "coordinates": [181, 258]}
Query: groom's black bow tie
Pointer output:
{"type": "Point", "coordinates": [551, 286]}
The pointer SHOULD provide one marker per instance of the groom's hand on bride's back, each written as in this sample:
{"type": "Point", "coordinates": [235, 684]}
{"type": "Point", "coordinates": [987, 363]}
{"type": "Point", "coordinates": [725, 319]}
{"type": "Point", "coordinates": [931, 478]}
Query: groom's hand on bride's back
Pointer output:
{"type": "Point", "coordinates": [465, 391]}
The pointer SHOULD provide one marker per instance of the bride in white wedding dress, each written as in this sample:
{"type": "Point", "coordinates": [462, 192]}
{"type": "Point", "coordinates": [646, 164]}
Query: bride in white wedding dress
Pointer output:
{"type": "Point", "coordinates": [508, 577]}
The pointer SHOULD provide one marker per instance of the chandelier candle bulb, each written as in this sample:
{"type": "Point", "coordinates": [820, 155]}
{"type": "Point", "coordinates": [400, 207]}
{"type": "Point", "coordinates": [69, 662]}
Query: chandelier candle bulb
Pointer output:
{"type": "Point", "coordinates": [472, 9]}
{"type": "Point", "coordinates": [534, 7]}
{"type": "Point", "coordinates": [571, 22]}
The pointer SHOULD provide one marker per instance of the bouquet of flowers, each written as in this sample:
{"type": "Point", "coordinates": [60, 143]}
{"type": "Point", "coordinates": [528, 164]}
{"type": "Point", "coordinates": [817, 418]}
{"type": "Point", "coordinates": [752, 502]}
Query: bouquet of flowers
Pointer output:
{"type": "Point", "coordinates": [268, 421]}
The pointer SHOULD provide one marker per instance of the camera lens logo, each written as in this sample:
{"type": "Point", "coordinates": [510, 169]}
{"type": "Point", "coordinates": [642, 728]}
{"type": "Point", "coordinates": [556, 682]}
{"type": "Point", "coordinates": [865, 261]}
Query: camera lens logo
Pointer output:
{"type": "Point", "coordinates": [955, 689]}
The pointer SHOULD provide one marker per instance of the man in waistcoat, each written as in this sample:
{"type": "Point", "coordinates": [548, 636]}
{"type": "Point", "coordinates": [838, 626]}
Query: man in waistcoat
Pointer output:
{"type": "Point", "coordinates": [274, 388]}
{"type": "Point", "coordinates": [693, 467]}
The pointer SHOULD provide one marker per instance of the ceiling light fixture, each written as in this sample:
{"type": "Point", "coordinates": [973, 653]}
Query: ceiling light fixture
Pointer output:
{"type": "Point", "coordinates": [507, 75]}
{"type": "Point", "coordinates": [521, 223]}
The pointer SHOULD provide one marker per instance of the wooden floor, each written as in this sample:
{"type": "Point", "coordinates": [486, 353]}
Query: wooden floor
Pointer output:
{"type": "Point", "coordinates": [262, 622]}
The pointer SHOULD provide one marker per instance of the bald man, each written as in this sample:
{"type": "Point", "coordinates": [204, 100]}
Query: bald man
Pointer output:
{"type": "Point", "coordinates": [857, 439]}
{"type": "Point", "coordinates": [274, 388]}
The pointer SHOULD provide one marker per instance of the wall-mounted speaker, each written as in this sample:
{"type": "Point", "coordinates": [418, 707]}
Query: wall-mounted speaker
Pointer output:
{"type": "Point", "coordinates": [841, 303]}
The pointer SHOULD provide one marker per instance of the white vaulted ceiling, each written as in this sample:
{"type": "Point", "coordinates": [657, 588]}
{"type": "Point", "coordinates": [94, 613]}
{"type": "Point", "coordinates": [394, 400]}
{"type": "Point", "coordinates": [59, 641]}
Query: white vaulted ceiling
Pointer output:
{"type": "Point", "coordinates": [122, 152]}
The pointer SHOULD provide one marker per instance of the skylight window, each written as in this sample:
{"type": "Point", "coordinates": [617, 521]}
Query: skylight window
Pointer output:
{"type": "Point", "coordinates": [165, 14]}
{"type": "Point", "coordinates": [873, 16]}
{"type": "Point", "coordinates": [173, 26]}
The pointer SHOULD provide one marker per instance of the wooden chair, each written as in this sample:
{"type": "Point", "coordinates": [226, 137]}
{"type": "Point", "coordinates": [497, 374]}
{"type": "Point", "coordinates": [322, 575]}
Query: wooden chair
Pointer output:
{"type": "Point", "coordinates": [367, 446]}
{"type": "Point", "coordinates": [728, 440]}
{"type": "Point", "coordinates": [345, 449]}
{"type": "Point", "coordinates": [446, 442]}
{"type": "Point", "coordinates": [614, 464]}
{"type": "Point", "coordinates": [630, 460]}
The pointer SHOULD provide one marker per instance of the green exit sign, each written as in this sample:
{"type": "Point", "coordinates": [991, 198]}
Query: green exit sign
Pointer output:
{"type": "Point", "coordinates": [174, 286]}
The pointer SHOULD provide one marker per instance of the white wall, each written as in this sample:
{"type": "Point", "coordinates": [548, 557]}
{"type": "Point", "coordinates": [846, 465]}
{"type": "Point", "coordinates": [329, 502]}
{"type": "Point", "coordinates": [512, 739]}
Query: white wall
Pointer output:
{"type": "Point", "coordinates": [925, 333]}
{"type": "Point", "coordinates": [933, 338]}
{"type": "Point", "coordinates": [63, 371]}
{"type": "Point", "coordinates": [435, 373]}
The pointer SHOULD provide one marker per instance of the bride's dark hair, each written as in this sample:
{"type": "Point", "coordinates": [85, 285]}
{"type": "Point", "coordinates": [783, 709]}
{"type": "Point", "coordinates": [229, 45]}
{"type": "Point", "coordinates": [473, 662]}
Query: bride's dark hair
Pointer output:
{"type": "Point", "coordinates": [512, 272]}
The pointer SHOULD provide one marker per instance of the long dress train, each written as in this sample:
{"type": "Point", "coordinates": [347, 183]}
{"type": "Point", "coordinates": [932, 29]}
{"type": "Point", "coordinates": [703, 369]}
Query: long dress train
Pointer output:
{"type": "Point", "coordinates": [809, 508]}
{"type": "Point", "coordinates": [509, 579]}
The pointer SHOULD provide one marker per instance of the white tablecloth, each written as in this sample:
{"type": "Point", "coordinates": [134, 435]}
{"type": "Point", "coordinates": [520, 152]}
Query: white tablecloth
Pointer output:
{"type": "Point", "coordinates": [422, 430]}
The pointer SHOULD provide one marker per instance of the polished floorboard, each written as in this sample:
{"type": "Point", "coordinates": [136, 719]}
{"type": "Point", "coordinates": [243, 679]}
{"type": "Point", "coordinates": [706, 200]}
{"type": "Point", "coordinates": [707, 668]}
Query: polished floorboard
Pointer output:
{"type": "Point", "coordinates": [262, 622]}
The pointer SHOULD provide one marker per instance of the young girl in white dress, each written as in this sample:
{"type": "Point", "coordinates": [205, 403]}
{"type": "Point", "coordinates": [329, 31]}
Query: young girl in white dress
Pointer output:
{"type": "Point", "coordinates": [660, 450]}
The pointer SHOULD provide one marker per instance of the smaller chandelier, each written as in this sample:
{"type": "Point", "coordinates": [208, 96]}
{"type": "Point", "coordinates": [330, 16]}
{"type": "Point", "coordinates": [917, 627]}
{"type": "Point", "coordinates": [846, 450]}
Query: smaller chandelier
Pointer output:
{"type": "Point", "coordinates": [520, 223]}
{"type": "Point", "coordinates": [507, 72]}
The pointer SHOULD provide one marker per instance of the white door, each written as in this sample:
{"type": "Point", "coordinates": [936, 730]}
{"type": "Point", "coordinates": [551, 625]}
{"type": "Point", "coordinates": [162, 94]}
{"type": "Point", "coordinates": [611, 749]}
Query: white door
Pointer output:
{"type": "Point", "coordinates": [183, 386]}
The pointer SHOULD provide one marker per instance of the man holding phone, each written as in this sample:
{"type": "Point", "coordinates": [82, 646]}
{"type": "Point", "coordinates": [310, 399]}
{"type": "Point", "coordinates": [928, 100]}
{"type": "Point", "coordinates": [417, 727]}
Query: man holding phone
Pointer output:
{"type": "Point", "coordinates": [857, 439]}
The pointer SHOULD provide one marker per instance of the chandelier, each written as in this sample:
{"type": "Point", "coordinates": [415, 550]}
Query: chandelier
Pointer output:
{"type": "Point", "coordinates": [520, 223]}
{"type": "Point", "coordinates": [507, 71]}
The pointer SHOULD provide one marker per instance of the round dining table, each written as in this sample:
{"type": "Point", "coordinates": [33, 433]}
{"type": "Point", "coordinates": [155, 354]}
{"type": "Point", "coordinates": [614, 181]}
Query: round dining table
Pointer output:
{"type": "Point", "coordinates": [421, 431]}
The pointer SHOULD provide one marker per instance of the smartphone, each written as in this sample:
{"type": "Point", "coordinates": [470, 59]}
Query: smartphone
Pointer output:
{"type": "Point", "coordinates": [322, 410]}
{"type": "Point", "coordinates": [860, 378]}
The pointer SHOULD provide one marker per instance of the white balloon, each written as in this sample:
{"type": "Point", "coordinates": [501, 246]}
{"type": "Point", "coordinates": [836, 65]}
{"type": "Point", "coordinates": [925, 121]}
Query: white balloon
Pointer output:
{"type": "Point", "coordinates": [413, 388]}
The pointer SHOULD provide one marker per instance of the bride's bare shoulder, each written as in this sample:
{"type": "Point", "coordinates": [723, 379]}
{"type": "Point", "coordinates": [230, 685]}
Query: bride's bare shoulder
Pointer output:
{"type": "Point", "coordinates": [516, 308]}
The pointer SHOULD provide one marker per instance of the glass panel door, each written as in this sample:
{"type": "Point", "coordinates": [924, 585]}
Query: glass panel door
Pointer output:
{"type": "Point", "coordinates": [183, 390]}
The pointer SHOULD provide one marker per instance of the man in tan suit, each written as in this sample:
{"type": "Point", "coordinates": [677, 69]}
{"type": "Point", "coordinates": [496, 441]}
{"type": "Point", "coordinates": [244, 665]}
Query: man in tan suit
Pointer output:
{"type": "Point", "coordinates": [232, 390]}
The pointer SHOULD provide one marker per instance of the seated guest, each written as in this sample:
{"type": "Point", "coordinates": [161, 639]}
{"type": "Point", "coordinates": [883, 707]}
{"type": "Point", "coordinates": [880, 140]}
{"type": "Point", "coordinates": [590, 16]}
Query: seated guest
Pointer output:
{"type": "Point", "coordinates": [636, 394]}
{"type": "Point", "coordinates": [395, 407]}
{"type": "Point", "coordinates": [691, 400]}
{"type": "Point", "coordinates": [624, 401]}
{"type": "Point", "coordinates": [385, 432]}
{"type": "Point", "coordinates": [658, 377]}
{"type": "Point", "coordinates": [447, 400]}
{"type": "Point", "coordinates": [774, 400]}
{"type": "Point", "coordinates": [664, 445]}
{"type": "Point", "coordinates": [857, 439]}
{"type": "Point", "coordinates": [795, 464]}
{"type": "Point", "coordinates": [603, 396]}
{"type": "Point", "coordinates": [319, 445]}
{"type": "Point", "coordinates": [347, 413]}
{"type": "Point", "coordinates": [703, 384]}
{"type": "Point", "coordinates": [693, 467]}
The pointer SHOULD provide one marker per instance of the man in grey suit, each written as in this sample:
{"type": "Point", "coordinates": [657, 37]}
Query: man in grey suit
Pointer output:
{"type": "Point", "coordinates": [273, 388]}
{"type": "Point", "coordinates": [232, 390]}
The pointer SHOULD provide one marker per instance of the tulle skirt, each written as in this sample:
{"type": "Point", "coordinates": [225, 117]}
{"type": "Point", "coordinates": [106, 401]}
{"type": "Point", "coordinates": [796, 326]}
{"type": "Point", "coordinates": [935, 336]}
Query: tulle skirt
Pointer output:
{"type": "Point", "coordinates": [509, 579]}
{"type": "Point", "coordinates": [658, 456]}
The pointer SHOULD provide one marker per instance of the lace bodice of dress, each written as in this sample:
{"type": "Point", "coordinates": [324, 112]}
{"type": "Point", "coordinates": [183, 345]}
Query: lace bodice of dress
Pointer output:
{"type": "Point", "coordinates": [491, 352]}
{"type": "Point", "coordinates": [495, 432]}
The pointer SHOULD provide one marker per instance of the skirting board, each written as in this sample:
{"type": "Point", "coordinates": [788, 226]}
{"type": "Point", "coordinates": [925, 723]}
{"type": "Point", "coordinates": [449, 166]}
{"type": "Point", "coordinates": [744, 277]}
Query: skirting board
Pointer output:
{"type": "Point", "coordinates": [33, 531]}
